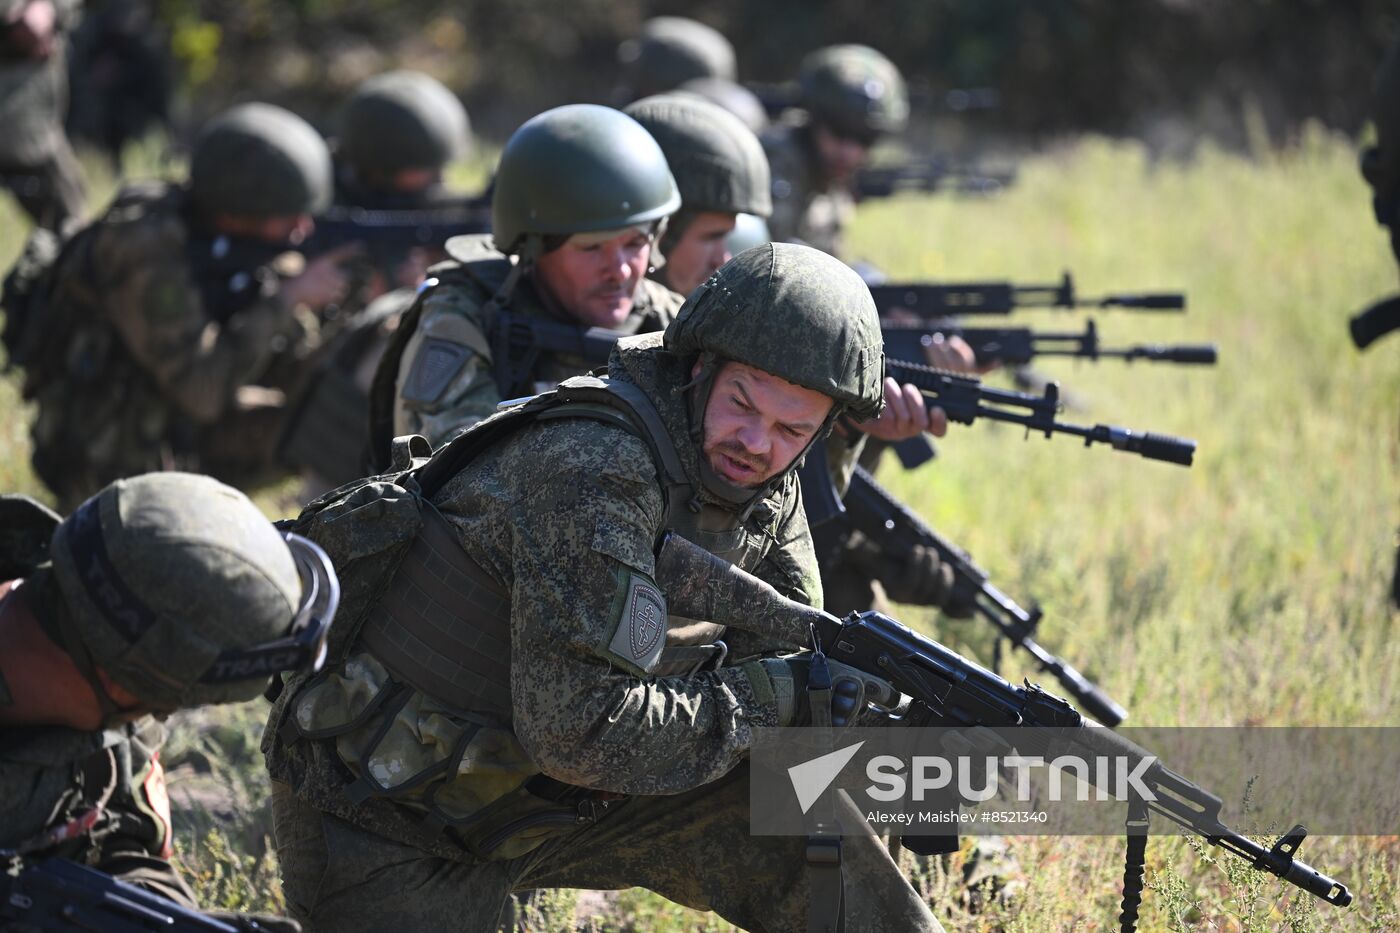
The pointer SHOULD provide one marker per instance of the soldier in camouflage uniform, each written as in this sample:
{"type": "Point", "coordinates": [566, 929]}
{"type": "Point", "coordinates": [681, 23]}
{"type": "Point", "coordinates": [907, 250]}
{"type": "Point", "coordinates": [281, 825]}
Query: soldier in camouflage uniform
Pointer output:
{"type": "Point", "coordinates": [581, 198]}
{"type": "Point", "coordinates": [721, 171]}
{"type": "Point", "coordinates": [398, 132]}
{"type": "Point", "coordinates": [162, 592]}
{"type": "Point", "coordinates": [670, 51]}
{"type": "Point", "coordinates": [37, 164]}
{"type": "Point", "coordinates": [164, 336]}
{"type": "Point", "coordinates": [850, 96]}
{"type": "Point", "coordinates": [511, 706]}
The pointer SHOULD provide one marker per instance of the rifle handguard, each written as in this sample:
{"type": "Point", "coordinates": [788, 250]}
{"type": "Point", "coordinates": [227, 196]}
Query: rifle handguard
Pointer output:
{"type": "Point", "coordinates": [1375, 322]}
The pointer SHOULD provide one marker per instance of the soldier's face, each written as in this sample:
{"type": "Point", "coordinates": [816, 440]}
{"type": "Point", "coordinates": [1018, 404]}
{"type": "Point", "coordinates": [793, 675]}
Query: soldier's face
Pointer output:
{"type": "Point", "coordinates": [700, 250]}
{"type": "Point", "coordinates": [841, 156]}
{"type": "Point", "coordinates": [756, 424]}
{"type": "Point", "coordinates": [595, 281]}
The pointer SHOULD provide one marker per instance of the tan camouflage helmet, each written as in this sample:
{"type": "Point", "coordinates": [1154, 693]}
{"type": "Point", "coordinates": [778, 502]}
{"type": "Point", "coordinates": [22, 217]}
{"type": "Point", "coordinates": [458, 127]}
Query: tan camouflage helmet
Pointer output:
{"type": "Point", "coordinates": [795, 312]}
{"type": "Point", "coordinates": [182, 591]}
{"type": "Point", "coordinates": [402, 120]}
{"type": "Point", "coordinates": [258, 160]}
{"type": "Point", "coordinates": [855, 91]}
{"type": "Point", "coordinates": [718, 163]}
{"type": "Point", "coordinates": [672, 50]}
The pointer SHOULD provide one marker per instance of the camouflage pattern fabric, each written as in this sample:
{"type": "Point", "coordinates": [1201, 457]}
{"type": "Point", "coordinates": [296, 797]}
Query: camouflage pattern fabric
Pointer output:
{"type": "Point", "coordinates": [694, 848]}
{"type": "Point", "coordinates": [805, 209]}
{"type": "Point", "coordinates": [149, 380]}
{"type": "Point", "coordinates": [456, 324]}
{"type": "Point", "coordinates": [37, 164]}
{"type": "Point", "coordinates": [564, 515]}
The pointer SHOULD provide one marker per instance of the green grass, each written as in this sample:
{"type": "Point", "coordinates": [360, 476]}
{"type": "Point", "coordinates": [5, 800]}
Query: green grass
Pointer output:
{"type": "Point", "coordinates": [1249, 589]}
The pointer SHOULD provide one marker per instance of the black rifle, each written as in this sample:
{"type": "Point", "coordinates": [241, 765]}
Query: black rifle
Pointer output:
{"type": "Point", "coordinates": [1019, 345]}
{"type": "Point", "coordinates": [518, 341]}
{"type": "Point", "coordinates": [939, 301]}
{"type": "Point", "coordinates": [965, 399]}
{"type": "Point", "coordinates": [1375, 322]}
{"type": "Point", "coordinates": [777, 97]}
{"type": "Point", "coordinates": [946, 689]}
{"type": "Point", "coordinates": [399, 228]}
{"type": "Point", "coordinates": [929, 174]}
{"type": "Point", "coordinates": [871, 510]}
{"type": "Point", "coordinates": [56, 894]}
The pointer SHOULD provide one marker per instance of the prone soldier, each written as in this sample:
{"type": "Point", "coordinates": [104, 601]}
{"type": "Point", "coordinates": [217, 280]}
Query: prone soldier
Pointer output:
{"type": "Point", "coordinates": [163, 335]}
{"type": "Point", "coordinates": [162, 592]}
{"type": "Point", "coordinates": [512, 706]}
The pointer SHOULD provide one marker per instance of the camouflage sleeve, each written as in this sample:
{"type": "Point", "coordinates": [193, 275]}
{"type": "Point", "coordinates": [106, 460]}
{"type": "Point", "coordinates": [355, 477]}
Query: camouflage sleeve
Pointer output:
{"type": "Point", "coordinates": [445, 380]}
{"type": "Point", "coordinates": [588, 622]}
{"type": "Point", "coordinates": [154, 304]}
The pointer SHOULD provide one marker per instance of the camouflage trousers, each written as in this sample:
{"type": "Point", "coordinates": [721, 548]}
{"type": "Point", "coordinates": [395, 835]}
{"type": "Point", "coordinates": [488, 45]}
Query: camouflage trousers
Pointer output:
{"type": "Point", "coordinates": [693, 848]}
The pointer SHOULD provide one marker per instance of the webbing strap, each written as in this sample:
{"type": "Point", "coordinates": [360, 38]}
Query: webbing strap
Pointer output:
{"type": "Point", "coordinates": [826, 906]}
{"type": "Point", "coordinates": [1134, 862]}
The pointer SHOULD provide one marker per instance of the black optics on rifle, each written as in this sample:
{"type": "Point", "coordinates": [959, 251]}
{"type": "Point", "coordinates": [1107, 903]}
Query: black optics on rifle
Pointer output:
{"type": "Point", "coordinates": [964, 400]}
{"type": "Point", "coordinates": [934, 301]}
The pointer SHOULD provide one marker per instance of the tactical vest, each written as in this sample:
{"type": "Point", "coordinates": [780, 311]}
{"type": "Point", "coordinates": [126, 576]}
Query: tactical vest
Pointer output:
{"type": "Point", "coordinates": [433, 643]}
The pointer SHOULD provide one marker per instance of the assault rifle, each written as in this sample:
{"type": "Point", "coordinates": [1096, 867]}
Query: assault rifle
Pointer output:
{"type": "Point", "coordinates": [943, 688]}
{"type": "Point", "coordinates": [929, 174]}
{"type": "Point", "coordinates": [1375, 322]}
{"type": "Point", "coordinates": [931, 301]}
{"type": "Point", "coordinates": [56, 894]}
{"type": "Point", "coordinates": [965, 399]}
{"type": "Point", "coordinates": [777, 97]}
{"type": "Point", "coordinates": [871, 510]}
{"type": "Point", "coordinates": [1019, 345]}
{"type": "Point", "coordinates": [399, 228]}
{"type": "Point", "coordinates": [517, 342]}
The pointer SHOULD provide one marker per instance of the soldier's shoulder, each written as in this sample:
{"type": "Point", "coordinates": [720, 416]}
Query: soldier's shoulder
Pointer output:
{"type": "Point", "coordinates": [659, 301]}
{"type": "Point", "coordinates": [145, 219]}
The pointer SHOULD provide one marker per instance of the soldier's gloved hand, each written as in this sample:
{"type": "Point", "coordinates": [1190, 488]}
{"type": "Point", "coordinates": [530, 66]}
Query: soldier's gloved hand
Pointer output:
{"type": "Point", "coordinates": [851, 689]}
{"type": "Point", "coordinates": [914, 575]}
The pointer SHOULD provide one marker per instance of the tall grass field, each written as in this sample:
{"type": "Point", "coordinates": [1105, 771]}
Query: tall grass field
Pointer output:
{"type": "Point", "coordinates": [1250, 589]}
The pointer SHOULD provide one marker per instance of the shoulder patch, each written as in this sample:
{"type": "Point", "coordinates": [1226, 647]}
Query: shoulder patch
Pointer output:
{"type": "Point", "coordinates": [641, 626]}
{"type": "Point", "coordinates": [435, 365]}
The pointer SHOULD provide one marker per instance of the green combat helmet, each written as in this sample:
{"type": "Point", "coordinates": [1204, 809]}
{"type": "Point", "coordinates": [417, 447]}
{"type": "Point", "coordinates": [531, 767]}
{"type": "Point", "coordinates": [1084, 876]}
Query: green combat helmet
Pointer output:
{"type": "Point", "coordinates": [719, 165]}
{"type": "Point", "coordinates": [672, 50]}
{"type": "Point", "coordinates": [797, 313]}
{"type": "Point", "coordinates": [732, 96]}
{"type": "Point", "coordinates": [402, 120]}
{"type": "Point", "coordinates": [184, 594]}
{"type": "Point", "coordinates": [855, 91]}
{"type": "Point", "coordinates": [579, 168]}
{"type": "Point", "coordinates": [749, 231]}
{"type": "Point", "coordinates": [258, 160]}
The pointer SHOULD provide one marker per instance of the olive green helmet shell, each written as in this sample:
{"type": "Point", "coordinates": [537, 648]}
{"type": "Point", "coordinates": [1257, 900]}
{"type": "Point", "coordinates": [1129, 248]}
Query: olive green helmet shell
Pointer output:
{"type": "Point", "coordinates": [579, 168]}
{"type": "Point", "coordinates": [160, 574]}
{"type": "Point", "coordinates": [732, 96]}
{"type": "Point", "coordinates": [402, 120]}
{"type": "Point", "coordinates": [718, 163]}
{"type": "Point", "coordinates": [749, 231]}
{"type": "Point", "coordinates": [855, 90]}
{"type": "Point", "coordinates": [672, 50]}
{"type": "Point", "coordinates": [259, 160]}
{"type": "Point", "coordinates": [795, 312]}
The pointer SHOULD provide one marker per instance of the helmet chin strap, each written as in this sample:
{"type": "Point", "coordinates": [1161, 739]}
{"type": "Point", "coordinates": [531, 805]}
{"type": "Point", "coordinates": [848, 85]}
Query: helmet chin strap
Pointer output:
{"type": "Point", "coordinates": [741, 498]}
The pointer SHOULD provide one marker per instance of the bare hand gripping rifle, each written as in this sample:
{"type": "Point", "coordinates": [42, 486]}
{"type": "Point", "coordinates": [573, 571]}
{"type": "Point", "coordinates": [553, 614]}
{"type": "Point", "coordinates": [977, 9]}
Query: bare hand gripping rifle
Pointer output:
{"type": "Point", "coordinates": [943, 688]}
